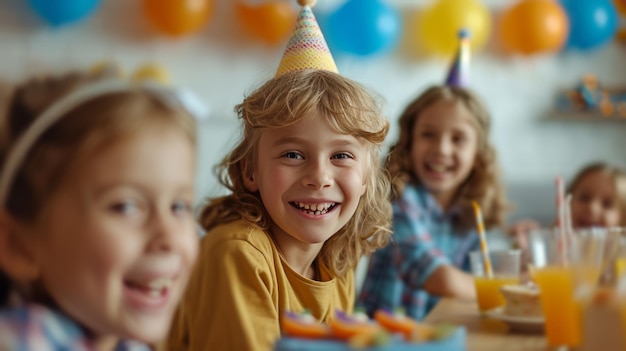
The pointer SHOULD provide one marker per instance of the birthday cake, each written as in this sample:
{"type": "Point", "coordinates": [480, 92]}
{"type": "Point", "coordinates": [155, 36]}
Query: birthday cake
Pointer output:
{"type": "Point", "coordinates": [521, 301]}
{"type": "Point", "coordinates": [386, 332]}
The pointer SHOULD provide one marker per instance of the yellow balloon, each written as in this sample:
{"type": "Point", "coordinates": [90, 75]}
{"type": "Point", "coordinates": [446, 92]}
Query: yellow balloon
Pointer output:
{"type": "Point", "coordinates": [439, 24]}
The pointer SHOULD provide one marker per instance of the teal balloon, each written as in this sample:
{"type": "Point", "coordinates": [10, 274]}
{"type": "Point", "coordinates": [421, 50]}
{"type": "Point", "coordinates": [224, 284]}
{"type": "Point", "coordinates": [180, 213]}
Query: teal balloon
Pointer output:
{"type": "Point", "coordinates": [592, 22]}
{"type": "Point", "coordinates": [363, 27]}
{"type": "Point", "coordinates": [61, 12]}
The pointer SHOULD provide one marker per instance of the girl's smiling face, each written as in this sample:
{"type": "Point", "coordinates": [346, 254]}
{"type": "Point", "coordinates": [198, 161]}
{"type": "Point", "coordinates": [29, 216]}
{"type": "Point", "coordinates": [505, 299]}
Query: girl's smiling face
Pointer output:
{"type": "Point", "coordinates": [595, 201]}
{"type": "Point", "coordinates": [444, 148]}
{"type": "Point", "coordinates": [115, 243]}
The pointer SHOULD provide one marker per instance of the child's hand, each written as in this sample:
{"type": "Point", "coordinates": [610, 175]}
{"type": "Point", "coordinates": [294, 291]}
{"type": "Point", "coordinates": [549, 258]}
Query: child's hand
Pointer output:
{"type": "Point", "coordinates": [519, 231]}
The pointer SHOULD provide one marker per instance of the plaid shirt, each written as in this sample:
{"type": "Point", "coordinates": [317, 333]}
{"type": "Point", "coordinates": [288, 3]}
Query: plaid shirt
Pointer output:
{"type": "Point", "coordinates": [423, 240]}
{"type": "Point", "coordinates": [36, 327]}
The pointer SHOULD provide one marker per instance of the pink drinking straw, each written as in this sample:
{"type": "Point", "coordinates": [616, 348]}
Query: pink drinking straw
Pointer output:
{"type": "Point", "coordinates": [483, 240]}
{"type": "Point", "coordinates": [569, 229]}
{"type": "Point", "coordinates": [560, 219]}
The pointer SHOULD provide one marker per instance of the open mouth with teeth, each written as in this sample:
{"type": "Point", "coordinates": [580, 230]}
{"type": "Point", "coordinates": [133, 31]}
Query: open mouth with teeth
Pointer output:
{"type": "Point", "coordinates": [314, 209]}
{"type": "Point", "coordinates": [155, 289]}
{"type": "Point", "coordinates": [437, 168]}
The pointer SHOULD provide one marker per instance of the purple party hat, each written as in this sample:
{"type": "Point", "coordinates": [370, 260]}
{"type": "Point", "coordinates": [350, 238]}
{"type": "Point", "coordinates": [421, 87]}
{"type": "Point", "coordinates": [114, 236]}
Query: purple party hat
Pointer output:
{"type": "Point", "coordinates": [459, 70]}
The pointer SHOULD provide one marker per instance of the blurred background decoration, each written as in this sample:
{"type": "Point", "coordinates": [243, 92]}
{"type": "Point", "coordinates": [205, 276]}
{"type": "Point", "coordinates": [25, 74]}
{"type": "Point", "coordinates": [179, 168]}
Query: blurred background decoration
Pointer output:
{"type": "Point", "coordinates": [61, 12]}
{"type": "Point", "coordinates": [590, 98]}
{"type": "Point", "coordinates": [368, 28]}
{"type": "Point", "coordinates": [363, 28]}
{"type": "Point", "coordinates": [271, 22]}
{"type": "Point", "coordinates": [178, 17]}
{"type": "Point", "coordinates": [152, 71]}
{"type": "Point", "coordinates": [438, 25]}
{"type": "Point", "coordinates": [592, 23]}
{"type": "Point", "coordinates": [621, 31]}
{"type": "Point", "coordinates": [534, 26]}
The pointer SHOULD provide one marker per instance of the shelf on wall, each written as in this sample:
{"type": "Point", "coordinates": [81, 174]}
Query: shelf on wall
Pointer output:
{"type": "Point", "coordinates": [583, 103]}
{"type": "Point", "coordinates": [584, 115]}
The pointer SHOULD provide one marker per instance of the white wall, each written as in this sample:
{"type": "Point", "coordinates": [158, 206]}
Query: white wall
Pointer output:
{"type": "Point", "coordinates": [221, 64]}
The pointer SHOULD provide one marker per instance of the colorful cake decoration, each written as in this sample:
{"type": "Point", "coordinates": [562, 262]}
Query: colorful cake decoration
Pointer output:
{"type": "Point", "coordinates": [348, 327]}
{"type": "Point", "coordinates": [307, 47]}
{"type": "Point", "coordinates": [398, 322]}
{"type": "Point", "coordinates": [303, 325]}
{"type": "Point", "coordinates": [349, 332]}
{"type": "Point", "coordinates": [459, 70]}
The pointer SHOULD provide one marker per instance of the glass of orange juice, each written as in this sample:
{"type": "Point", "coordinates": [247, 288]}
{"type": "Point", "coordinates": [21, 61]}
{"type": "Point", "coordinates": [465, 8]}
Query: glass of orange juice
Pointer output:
{"type": "Point", "coordinates": [614, 263]}
{"type": "Point", "coordinates": [566, 267]}
{"type": "Point", "coordinates": [506, 268]}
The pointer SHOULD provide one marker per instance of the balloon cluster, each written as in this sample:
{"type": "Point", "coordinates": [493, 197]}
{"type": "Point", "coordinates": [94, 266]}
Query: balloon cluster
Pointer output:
{"type": "Point", "coordinates": [539, 26]}
{"type": "Point", "coordinates": [369, 27]}
{"type": "Point", "coordinates": [360, 27]}
{"type": "Point", "coordinates": [172, 17]}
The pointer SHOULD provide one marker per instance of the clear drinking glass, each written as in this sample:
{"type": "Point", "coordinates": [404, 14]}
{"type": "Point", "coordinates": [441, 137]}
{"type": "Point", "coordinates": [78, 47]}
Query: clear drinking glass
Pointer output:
{"type": "Point", "coordinates": [506, 269]}
{"type": "Point", "coordinates": [566, 267]}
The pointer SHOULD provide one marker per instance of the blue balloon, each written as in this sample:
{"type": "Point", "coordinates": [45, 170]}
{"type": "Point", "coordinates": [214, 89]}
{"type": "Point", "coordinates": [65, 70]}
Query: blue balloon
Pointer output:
{"type": "Point", "coordinates": [61, 12]}
{"type": "Point", "coordinates": [592, 22]}
{"type": "Point", "coordinates": [363, 27]}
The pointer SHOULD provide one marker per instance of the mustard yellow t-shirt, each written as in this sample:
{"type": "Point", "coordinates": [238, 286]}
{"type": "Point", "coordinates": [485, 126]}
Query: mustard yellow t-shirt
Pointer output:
{"type": "Point", "coordinates": [241, 287]}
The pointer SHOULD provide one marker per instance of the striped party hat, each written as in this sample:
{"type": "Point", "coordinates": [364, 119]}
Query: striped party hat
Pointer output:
{"type": "Point", "coordinates": [307, 47]}
{"type": "Point", "coordinates": [459, 70]}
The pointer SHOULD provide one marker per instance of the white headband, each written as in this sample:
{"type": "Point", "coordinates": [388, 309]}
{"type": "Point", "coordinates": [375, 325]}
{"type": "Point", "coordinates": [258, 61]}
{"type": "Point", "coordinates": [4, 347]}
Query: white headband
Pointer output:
{"type": "Point", "coordinates": [183, 98]}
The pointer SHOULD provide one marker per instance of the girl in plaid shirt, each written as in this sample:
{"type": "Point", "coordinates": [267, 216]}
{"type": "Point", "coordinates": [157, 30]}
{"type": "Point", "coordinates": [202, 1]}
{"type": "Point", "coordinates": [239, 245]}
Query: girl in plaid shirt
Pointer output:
{"type": "Point", "coordinates": [97, 234]}
{"type": "Point", "coordinates": [441, 162]}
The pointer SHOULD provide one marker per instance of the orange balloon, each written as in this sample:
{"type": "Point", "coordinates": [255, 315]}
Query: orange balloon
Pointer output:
{"type": "Point", "coordinates": [534, 26]}
{"type": "Point", "coordinates": [271, 22]}
{"type": "Point", "coordinates": [621, 31]}
{"type": "Point", "coordinates": [178, 17]}
{"type": "Point", "coordinates": [621, 6]}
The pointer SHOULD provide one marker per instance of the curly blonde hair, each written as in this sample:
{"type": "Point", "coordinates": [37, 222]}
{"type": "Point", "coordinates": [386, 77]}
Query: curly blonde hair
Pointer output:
{"type": "Point", "coordinates": [483, 185]}
{"type": "Point", "coordinates": [284, 101]}
{"type": "Point", "coordinates": [619, 177]}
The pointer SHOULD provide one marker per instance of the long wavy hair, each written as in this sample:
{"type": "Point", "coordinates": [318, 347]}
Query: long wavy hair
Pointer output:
{"type": "Point", "coordinates": [283, 101]}
{"type": "Point", "coordinates": [483, 184]}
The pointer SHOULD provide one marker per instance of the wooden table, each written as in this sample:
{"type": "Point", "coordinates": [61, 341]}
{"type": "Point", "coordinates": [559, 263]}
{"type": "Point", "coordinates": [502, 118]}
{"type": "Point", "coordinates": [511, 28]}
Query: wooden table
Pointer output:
{"type": "Point", "coordinates": [484, 334]}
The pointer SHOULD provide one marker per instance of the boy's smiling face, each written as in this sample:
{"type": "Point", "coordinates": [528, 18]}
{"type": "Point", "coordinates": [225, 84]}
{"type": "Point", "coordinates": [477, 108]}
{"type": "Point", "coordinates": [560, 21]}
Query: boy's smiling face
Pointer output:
{"type": "Point", "coordinates": [310, 179]}
{"type": "Point", "coordinates": [116, 241]}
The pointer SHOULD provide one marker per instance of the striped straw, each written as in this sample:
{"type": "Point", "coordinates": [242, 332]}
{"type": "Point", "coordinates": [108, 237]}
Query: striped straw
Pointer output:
{"type": "Point", "coordinates": [483, 240]}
